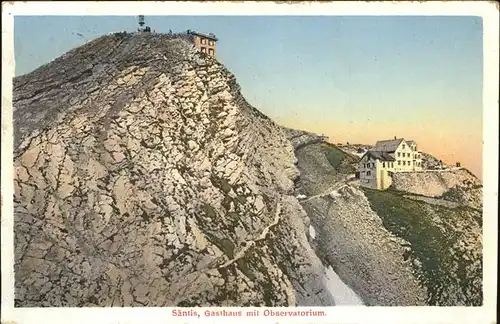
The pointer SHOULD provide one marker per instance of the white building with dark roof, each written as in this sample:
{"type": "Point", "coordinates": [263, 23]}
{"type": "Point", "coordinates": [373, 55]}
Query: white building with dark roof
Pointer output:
{"type": "Point", "coordinates": [386, 157]}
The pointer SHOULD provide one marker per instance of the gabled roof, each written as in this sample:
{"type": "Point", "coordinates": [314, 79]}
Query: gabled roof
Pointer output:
{"type": "Point", "coordinates": [210, 36]}
{"type": "Point", "coordinates": [411, 142]}
{"type": "Point", "coordinates": [382, 156]}
{"type": "Point", "coordinates": [387, 145]}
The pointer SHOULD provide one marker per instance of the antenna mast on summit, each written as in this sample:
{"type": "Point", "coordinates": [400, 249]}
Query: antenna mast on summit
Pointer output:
{"type": "Point", "coordinates": [141, 24]}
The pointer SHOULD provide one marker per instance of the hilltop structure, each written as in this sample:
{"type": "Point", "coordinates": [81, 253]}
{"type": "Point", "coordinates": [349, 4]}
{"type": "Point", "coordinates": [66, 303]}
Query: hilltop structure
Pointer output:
{"type": "Point", "coordinates": [386, 157]}
{"type": "Point", "coordinates": [206, 43]}
{"type": "Point", "coordinates": [143, 28]}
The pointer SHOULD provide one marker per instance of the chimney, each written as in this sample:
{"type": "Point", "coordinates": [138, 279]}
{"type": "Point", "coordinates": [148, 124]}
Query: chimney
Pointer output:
{"type": "Point", "coordinates": [394, 137]}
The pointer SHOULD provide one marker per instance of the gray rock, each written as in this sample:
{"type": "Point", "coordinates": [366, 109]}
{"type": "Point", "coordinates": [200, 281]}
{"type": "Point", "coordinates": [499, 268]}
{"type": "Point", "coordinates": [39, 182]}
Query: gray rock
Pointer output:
{"type": "Point", "coordinates": [144, 178]}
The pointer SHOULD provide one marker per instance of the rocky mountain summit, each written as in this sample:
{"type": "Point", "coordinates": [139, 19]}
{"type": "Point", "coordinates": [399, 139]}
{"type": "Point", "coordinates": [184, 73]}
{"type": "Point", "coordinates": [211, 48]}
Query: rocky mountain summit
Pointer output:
{"type": "Point", "coordinates": [144, 178]}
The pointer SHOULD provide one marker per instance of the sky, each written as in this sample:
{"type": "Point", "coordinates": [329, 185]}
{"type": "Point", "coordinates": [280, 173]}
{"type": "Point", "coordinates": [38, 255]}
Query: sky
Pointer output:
{"type": "Point", "coordinates": [356, 79]}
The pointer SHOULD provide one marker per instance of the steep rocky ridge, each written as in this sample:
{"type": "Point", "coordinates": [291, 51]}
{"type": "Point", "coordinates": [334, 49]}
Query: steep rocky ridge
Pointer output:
{"type": "Point", "coordinates": [393, 247]}
{"type": "Point", "coordinates": [143, 178]}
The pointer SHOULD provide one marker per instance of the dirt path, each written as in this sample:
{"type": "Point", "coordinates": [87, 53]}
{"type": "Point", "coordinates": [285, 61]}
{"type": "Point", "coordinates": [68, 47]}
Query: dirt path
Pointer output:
{"type": "Point", "coordinates": [337, 186]}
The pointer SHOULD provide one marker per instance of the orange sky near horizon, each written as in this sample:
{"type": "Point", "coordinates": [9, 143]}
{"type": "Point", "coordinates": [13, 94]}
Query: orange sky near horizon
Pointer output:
{"type": "Point", "coordinates": [445, 141]}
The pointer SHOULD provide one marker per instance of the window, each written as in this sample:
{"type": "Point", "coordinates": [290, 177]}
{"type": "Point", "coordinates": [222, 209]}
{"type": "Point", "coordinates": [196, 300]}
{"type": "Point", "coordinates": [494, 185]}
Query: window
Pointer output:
{"type": "Point", "coordinates": [211, 51]}
{"type": "Point", "coordinates": [392, 164]}
{"type": "Point", "coordinates": [211, 43]}
{"type": "Point", "coordinates": [403, 146]}
{"type": "Point", "coordinates": [203, 41]}
{"type": "Point", "coordinates": [368, 173]}
{"type": "Point", "coordinates": [204, 50]}
{"type": "Point", "coordinates": [383, 164]}
{"type": "Point", "coordinates": [399, 162]}
{"type": "Point", "coordinates": [399, 154]}
{"type": "Point", "coordinates": [404, 162]}
{"type": "Point", "coordinates": [404, 154]}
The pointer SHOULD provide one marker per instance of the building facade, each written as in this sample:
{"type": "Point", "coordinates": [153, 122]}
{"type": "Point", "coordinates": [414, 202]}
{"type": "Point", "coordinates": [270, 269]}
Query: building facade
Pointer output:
{"type": "Point", "coordinates": [206, 43]}
{"type": "Point", "coordinates": [375, 170]}
{"type": "Point", "coordinates": [386, 157]}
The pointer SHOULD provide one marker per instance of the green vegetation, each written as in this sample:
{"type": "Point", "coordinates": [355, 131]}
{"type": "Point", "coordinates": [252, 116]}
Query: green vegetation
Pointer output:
{"type": "Point", "coordinates": [220, 183]}
{"type": "Point", "coordinates": [243, 266]}
{"type": "Point", "coordinates": [338, 159]}
{"type": "Point", "coordinates": [209, 211]}
{"type": "Point", "coordinates": [432, 244]}
{"type": "Point", "coordinates": [226, 246]}
{"type": "Point", "coordinates": [452, 194]}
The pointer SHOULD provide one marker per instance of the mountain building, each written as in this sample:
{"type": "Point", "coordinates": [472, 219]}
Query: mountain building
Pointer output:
{"type": "Point", "coordinates": [206, 43]}
{"type": "Point", "coordinates": [386, 157]}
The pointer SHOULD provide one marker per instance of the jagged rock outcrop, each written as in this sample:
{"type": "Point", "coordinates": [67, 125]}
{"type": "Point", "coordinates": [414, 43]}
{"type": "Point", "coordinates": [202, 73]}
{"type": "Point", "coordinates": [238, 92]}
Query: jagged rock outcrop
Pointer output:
{"type": "Point", "coordinates": [300, 138]}
{"type": "Point", "coordinates": [431, 162]}
{"type": "Point", "coordinates": [143, 178]}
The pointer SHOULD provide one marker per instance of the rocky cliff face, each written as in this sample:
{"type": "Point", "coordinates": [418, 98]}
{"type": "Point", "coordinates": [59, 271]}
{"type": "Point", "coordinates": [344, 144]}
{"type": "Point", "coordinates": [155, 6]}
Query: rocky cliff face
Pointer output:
{"type": "Point", "coordinates": [143, 178]}
{"type": "Point", "coordinates": [431, 162]}
{"type": "Point", "coordinates": [458, 185]}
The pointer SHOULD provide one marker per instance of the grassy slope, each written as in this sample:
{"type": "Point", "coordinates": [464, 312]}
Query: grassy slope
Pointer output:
{"type": "Point", "coordinates": [339, 160]}
{"type": "Point", "coordinates": [444, 268]}
{"type": "Point", "coordinates": [321, 166]}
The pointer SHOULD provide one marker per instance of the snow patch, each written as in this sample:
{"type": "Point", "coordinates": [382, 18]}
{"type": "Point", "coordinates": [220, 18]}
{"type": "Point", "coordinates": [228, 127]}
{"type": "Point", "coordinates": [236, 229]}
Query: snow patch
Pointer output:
{"type": "Point", "coordinates": [301, 196]}
{"type": "Point", "coordinates": [341, 293]}
{"type": "Point", "coordinates": [312, 232]}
